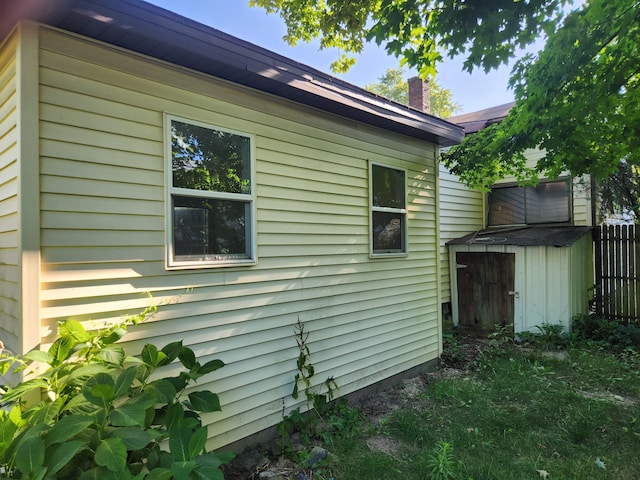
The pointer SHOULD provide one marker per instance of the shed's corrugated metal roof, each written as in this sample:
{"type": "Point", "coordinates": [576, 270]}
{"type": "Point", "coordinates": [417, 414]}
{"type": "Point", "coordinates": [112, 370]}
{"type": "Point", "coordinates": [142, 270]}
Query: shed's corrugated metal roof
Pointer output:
{"type": "Point", "coordinates": [564, 236]}
{"type": "Point", "coordinates": [159, 33]}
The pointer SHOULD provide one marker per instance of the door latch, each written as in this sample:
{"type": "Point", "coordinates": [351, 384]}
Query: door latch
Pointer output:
{"type": "Point", "coordinates": [514, 293]}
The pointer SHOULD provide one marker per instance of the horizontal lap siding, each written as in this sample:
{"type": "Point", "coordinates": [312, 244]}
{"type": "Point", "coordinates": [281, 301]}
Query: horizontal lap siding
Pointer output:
{"type": "Point", "coordinates": [103, 233]}
{"type": "Point", "coordinates": [582, 205]}
{"type": "Point", "coordinates": [461, 211]}
{"type": "Point", "coordinates": [9, 243]}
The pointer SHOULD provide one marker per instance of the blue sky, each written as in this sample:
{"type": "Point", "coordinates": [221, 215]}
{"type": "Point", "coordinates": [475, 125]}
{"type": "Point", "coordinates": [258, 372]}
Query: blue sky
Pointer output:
{"type": "Point", "coordinates": [235, 17]}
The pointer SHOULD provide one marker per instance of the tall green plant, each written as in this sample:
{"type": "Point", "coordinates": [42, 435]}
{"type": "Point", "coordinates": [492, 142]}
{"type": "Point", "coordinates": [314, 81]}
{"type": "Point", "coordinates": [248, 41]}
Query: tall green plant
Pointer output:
{"type": "Point", "coordinates": [104, 414]}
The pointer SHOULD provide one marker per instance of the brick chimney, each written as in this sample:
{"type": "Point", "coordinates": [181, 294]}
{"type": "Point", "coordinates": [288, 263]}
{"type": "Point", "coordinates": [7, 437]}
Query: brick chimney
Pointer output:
{"type": "Point", "coordinates": [419, 94]}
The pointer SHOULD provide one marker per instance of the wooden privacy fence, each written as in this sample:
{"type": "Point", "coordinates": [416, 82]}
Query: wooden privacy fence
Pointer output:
{"type": "Point", "coordinates": [617, 271]}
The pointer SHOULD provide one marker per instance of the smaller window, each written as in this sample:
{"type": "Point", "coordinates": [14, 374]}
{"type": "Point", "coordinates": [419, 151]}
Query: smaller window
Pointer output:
{"type": "Point", "coordinates": [210, 195]}
{"type": "Point", "coordinates": [547, 202]}
{"type": "Point", "coordinates": [388, 211]}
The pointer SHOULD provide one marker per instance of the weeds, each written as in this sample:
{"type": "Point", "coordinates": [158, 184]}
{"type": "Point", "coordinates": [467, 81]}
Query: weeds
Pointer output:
{"type": "Point", "coordinates": [326, 418]}
{"type": "Point", "coordinates": [522, 412]}
{"type": "Point", "coordinates": [555, 404]}
{"type": "Point", "coordinates": [441, 463]}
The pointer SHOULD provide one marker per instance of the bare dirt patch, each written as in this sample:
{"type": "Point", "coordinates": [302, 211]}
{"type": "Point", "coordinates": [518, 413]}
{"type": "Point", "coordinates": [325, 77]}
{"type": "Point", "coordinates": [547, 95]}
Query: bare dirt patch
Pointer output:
{"type": "Point", "coordinates": [609, 397]}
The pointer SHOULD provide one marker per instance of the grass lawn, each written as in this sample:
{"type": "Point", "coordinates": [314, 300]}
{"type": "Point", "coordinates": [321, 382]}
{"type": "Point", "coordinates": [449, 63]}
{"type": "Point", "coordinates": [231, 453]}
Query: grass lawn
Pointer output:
{"type": "Point", "coordinates": [518, 412]}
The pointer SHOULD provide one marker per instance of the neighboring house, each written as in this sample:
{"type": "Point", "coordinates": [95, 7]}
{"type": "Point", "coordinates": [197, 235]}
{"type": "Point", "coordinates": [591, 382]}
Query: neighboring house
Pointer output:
{"type": "Point", "coordinates": [146, 155]}
{"type": "Point", "coordinates": [518, 256]}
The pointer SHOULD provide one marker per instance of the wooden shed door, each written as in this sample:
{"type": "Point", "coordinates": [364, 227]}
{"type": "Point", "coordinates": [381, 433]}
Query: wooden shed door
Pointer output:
{"type": "Point", "coordinates": [486, 294]}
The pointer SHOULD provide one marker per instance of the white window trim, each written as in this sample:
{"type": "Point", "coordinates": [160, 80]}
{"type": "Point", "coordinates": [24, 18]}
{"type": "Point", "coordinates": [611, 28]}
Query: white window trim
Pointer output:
{"type": "Point", "coordinates": [403, 211]}
{"type": "Point", "coordinates": [170, 191]}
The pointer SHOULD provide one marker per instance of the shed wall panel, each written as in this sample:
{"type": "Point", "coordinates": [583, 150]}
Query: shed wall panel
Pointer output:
{"type": "Point", "coordinates": [552, 283]}
{"type": "Point", "coordinates": [103, 232]}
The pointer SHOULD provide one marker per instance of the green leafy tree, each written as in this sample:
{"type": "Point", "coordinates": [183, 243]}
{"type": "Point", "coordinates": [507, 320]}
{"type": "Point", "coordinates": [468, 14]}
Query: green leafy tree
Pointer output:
{"type": "Point", "coordinates": [393, 86]}
{"type": "Point", "coordinates": [620, 192]}
{"type": "Point", "coordinates": [576, 99]}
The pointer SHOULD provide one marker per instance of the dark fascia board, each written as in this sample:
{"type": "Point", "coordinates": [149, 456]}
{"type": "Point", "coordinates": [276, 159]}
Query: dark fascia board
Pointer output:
{"type": "Point", "coordinates": [153, 31]}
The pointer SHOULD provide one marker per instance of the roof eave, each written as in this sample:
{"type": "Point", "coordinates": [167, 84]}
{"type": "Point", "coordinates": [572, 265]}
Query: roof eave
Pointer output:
{"type": "Point", "coordinates": [153, 31]}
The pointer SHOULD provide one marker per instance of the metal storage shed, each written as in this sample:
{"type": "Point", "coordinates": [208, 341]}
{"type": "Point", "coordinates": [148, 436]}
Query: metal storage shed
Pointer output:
{"type": "Point", "coordinates": [524, 276]}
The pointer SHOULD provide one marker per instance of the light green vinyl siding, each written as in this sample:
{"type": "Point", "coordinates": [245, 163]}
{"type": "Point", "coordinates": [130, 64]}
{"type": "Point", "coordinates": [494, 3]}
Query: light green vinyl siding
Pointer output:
{"type": "Point", "coordinates": [461, 211]}
{"type": "Point", "coordinates": [582, 204]}
{"type": "Point", "coordinates": [9, 248]}
{"type": "Point", "coordinates": [102, 229]}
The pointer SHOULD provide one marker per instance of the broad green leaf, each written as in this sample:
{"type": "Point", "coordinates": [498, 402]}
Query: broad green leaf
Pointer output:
{"type": "Point", "coordinates": [179, 383]}
{"type": "Point", "coordinates": [197, 442]}
{"type": "Point", "coordinates": [5, 364]}
{"type": "Point", "coordinates": [133, 360]}
{"type": "Point", "coordinates": [100, 473]}
{"type": "Point", "coordinates": [134, 438]}
{"type": "Point", "coordinates": [128, 415]}
{"type": "Point", "coordinates": [46, 412]}
{"type": "Point", "coordinates": [124, 381]}
{"type": "Point", "coordinates": [113, 335]}
{"type": "Point", "coordinates": [171, 350]}
{"type": "Point", "coordinates": [207, 467]}
{"type": "Point", "coordinates": [204, 401]}
{"type": "Point", "coordinates": [61, 350]}
{"type": "Point", "coordinates": [78, 405]}
{"type": "Point", "coordinates": [173, 416]}
{"type": "Point", "coordinates": [225, 456]}
{"type": "Point", "coordinates": [144, 371]}
{"type": "Point", "coordinates": [100, 394]}
{"type": "Point", "coordinates": [179, 443]}
{"type": "Point", "coordinates": [38, 356]}
{"type": "Point", "coordinates": [145, 399]}
{"type": "Point", "coordinates": [211, 366]}
{"type": "Point", "coordinates": [113, 354]}
{"type": "Point", "coordinates": [164, 389]}
{"type": "Point", "coordinates": [151, 356]}
{"type": "Point", "coordinates": [18, 391]}
{"type": "Point", "coordinates": [75, 330]}
{"type": "Point", "coordinates": [112, 453]}
{"type": "Point", "coordinates": [191, 420]}
{"type": "Point", "coordinates": [99, 389]}
{"type": "Point", "coordinates": [81, 374]}
{"type": "Point", "coordinates": [62, 455]}
{"type": "Point", "coordinates": [159, 474]}
{"type": "Point", "coordinates": [187, 358]}
{"type": "Point", "coordinates": [181, 470]}
{"type": "Point", "coordinates": [8, 430]}
{"type": "Point", "coordinates": [66, 428]}
{"type": "Point", "coordinates": [30, 455]}
{"type": "Point", "coordinates": [160, 459]}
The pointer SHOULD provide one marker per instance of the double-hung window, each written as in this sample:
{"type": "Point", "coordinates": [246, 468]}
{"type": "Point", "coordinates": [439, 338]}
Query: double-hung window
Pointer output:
{"type": "Point", "coordinates": [388, 211]}
{"type": "Point", "coordinates": [210, 195]}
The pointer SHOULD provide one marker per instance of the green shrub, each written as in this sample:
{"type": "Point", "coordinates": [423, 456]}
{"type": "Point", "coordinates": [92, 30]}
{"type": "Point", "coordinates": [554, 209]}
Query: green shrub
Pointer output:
{"type": "Point", "coordinates": [102, 414]}
{"type": "Point", "coordinates": [602, 329]}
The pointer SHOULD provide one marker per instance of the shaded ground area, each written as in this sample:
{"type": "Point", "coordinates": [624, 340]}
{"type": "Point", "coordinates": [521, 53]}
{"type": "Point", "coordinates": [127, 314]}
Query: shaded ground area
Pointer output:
{"type": "Point", "coordinates": [264, 461]}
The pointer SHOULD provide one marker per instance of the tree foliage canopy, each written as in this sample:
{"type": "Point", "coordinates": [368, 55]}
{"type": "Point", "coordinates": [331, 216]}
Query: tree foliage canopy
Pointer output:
{"type": "Point", "coordinates": [577, 99]}
{"type": "Point", "coordinates": [393, 86]}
